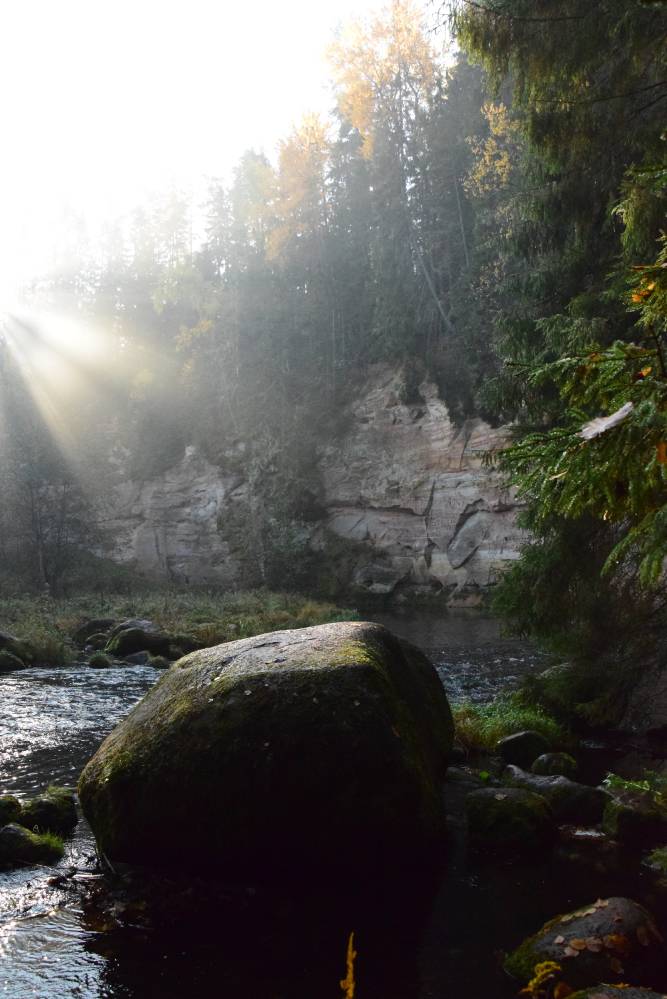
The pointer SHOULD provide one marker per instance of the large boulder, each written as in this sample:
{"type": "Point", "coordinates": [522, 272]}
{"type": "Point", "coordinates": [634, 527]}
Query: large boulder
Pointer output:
{"type": "Point", "coordinates": [130, 640]}
{"type": "Point", "coordinates": [612, 939]}
{"type": "Point", "coordinates": [320, 747]}
{"type": "Point", "coordinates": [571, 802]}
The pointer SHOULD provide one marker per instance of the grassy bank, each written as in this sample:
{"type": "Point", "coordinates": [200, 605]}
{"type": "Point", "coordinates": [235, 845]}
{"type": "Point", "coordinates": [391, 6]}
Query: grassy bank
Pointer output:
{"type": "Point", "coordinates": [480, 726]}
{"type": "Point", "coordinates": [48, 623]}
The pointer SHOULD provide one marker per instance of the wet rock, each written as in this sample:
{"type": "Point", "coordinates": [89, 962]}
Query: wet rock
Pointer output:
{"type": "Point", "coordinates": [97, 641]}
{"type": "Point", "coordinates": [635, 819]}
{"type": "Point", "coordinates": [15, 646]}
{"type": "Point", "coordinates": [93, 627]}
{"type": "Point", "coordinates": [55, 811]}
{"type": "Point", "coordinates": [613, 938]}
{"type": "Point", "coordinates": [130, 640]}
{"type": "Point", "coordinates": [589, 848]}
{"type": "Point", "coordinates": [571, 802]}
{"type": "Point", "coordinates": [509, 817]}
{"type": "Point", "coordinates": [318, 748]}
{"type": "Point", "coordinates": [522, 748]}
{"type": "Point", "coordinates": [138, 658]}
{"type": "Point", "coordinates": [10, 809]}
{"type": "Point", "coordinates": [20, 846]}
{"type": "Point", "coordinates": [555, 765]}
{"type": "Point", "coordinates": [100, 661]}
{"type": "Point", "coordinates": [9, 662]}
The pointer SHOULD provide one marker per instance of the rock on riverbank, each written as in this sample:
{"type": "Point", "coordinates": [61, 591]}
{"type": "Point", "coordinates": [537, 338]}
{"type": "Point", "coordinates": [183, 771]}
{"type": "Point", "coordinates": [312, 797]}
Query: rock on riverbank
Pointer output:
{"type": "Point", "coordinates": [318, 747]}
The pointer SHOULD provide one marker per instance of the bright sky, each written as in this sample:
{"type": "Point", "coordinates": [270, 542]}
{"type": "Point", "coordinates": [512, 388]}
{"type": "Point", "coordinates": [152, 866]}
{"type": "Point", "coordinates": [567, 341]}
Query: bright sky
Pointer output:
{"type": "Point", "coordinates": [105, 101]}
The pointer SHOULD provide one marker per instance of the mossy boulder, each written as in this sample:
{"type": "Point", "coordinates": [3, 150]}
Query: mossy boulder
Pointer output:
{"type": "Point", "coordinates": [635, 818]}
{"type": "Point", "coordinates": [54, 811]}
{"type": "Point", "coordinates": [612, 939]}
{"type": "Point", "coordinates": [16, 647]}
{"type": "Point", "coordinates": [555, 765]}
{"type": "Point", "coordinates": [571, 802]}
{"type": "Point", "coordinates": [100, 660]}
{"type": "Point", "coordinates": [97, 641]}
{"type": "Point", "coordinates": [93, 628]}
{"type": "Point", "coordinates": [131, 640]}
{"type": "Point", "coordinates": [9, 662]}
{"type": "Point", "coordinates": [508, 818]}
{"type": "Point", "coordinates": [320, 748]}
{"type": "Point", "coordinates": [10, 809]}
{"type": "Point", "coordinates": [20, 846]}
{"type": "Point", "coordinates": [522, 748]}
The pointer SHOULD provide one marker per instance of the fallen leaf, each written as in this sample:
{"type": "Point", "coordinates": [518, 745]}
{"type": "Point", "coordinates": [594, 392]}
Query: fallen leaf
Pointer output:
{"type": "Point", "coordinates": [578, 944]}
{"type": "Point", "coordinates": [619, 943]}
{"type": "Point", "coordinates": [559, 939]}
{"type": "Point", "coordinates": [594, 944]}
{"type": "Point", "coordinates": [567, 919]}
{"type": "Point", "coordinates": [602, 903]}
{"type": "Point", "coordinates": [570, 952]}
{"type": "Point", "coordinates": [500, 797]}
{"type": "Point", "coordinates": [661, 452]}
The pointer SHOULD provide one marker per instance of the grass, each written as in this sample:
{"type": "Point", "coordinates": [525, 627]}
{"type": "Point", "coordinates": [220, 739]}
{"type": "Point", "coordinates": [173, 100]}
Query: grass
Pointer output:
{"type": "Point", "coordinates": [478, 727]}
{"type": "Point", "coordinates": [211, 617]}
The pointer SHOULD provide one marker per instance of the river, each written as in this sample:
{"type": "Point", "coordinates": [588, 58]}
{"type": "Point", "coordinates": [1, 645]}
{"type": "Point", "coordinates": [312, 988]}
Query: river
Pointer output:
{"type": "Point", "coordinates": [434, 945]}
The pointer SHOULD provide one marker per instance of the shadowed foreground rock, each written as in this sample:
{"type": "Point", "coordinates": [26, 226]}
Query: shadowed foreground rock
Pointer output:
{"type": "Point", "coordinates": [321, 747]}
{"type": "Point", "coordinates": [613, 939]}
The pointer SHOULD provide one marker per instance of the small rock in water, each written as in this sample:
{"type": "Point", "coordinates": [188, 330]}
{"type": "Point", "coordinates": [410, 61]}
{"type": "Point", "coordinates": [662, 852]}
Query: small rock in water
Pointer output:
{"type": "Point", "coordinates": [20, 846]}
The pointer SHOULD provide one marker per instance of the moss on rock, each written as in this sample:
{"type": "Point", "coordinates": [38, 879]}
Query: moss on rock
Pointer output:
{"type": "Point", "coordinates": [54, 811]}
{"type": "Point", "coordinates": [20, 846]}
{"type": "Point", "coordinates": [509, 817]}
{"type": "Point", "coordinates": [322, 745]}
{"type": "Point", "coordinates": [608, 939]}
{"type": "Point", "coordinates": [10, 662]}
{"type": "Point", "coordinates": [555, 765]}
{"type": "Point", "coordinates": [10, 809]}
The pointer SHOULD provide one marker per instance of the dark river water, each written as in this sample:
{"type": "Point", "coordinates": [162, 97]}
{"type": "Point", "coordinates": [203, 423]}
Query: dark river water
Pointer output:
{"type": "Point", "coordinates": [437, 943]}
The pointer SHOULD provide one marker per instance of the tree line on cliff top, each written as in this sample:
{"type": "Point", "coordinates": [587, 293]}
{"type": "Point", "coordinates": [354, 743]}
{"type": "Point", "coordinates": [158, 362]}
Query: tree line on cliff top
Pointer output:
{"type": "Point", "coordinates": [492, 220]}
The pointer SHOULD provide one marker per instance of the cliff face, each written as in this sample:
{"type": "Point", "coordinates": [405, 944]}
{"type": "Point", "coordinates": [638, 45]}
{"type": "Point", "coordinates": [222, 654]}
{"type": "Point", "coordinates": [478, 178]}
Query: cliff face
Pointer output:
{"type": "Point", "coordinates": [403, 484]}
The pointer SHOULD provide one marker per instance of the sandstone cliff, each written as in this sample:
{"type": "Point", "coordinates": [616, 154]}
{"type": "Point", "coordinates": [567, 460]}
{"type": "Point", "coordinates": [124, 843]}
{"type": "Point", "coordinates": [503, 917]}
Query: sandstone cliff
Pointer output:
{"type": "Point", "coordinates": [404, 485]}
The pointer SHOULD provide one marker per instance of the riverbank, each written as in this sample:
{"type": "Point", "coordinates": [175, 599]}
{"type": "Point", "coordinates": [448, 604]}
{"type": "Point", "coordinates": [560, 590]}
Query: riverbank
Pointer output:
{"type": "Point", "coordinates": [48, 624]}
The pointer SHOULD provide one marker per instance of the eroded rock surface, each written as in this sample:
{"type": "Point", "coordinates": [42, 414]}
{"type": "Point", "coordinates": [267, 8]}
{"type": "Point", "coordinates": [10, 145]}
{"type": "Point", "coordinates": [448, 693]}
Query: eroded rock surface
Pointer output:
{"type": "Point", "coordinates": [404, 485]}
